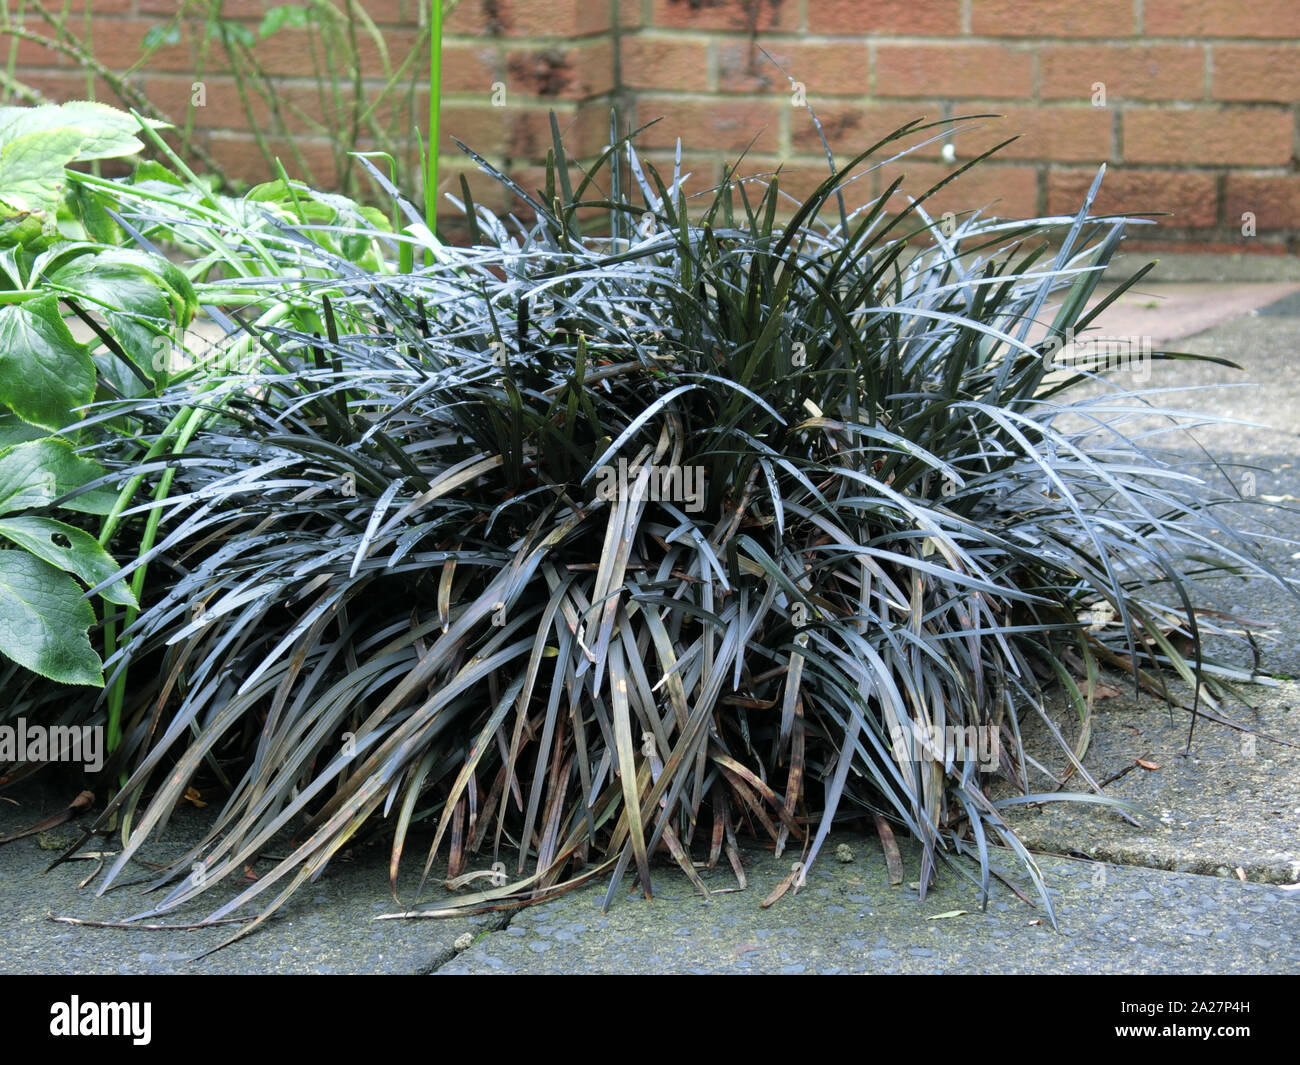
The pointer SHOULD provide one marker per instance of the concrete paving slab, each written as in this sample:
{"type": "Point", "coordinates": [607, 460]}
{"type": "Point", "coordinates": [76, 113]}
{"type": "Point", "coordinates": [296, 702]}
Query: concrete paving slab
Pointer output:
{"type": "Point", "coordinates": [1166, 312]}
{"type": "Point", "coordinates": [849, 920]}
{"type": "Point", "coordinates": [1229, 802]}
{"type": "Point", "coordinates": [327, 928]}
{"type": "Point", "coordinates": [1175, 267]}
{"type": "Point", "coordinates": [1253, 452]}
{"type": "Point", "coordinates": [1286, 307]}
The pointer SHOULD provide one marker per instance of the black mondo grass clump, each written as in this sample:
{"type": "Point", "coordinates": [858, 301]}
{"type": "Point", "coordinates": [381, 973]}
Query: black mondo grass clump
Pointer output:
{"type": "Point", "coordinates": [642, 523]}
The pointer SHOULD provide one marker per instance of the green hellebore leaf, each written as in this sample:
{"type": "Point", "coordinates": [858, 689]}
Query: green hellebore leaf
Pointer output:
{"type": "Point", "coordinates": [31, 170]}
{"type": "Point", "coordinates": [36, 473]}
{"type": "Point", "coordinates": [102, 132]}
{"type": "Point", "coordinates": [44, 620]}
{"type": "Point", "coordinates": [81, 555]}
{"type": "Point", "coordinates": [44, 372]}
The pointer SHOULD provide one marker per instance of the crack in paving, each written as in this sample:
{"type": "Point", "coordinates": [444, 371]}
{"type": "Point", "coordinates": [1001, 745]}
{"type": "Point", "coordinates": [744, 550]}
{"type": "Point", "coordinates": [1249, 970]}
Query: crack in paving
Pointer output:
{"type": "Point", "coordinates": [444, 957]}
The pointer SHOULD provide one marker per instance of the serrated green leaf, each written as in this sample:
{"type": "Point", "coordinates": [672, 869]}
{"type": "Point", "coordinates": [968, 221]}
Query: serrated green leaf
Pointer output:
{"type": "Point", "coordinates": [131, 281]}
{"type": "Point", "coordinates": [375, 217]}
{"type": "Point", "coordinates": [14, 430]}
{"type": "Point", "coordinates": [101, 131]}
{"type": "Point", "coordinates": [44, 621]}
{"type": "Point", "coordinates": [44, 373]}
{"type": "Point", "coordinates": [108, 132]}
{"type": "Point", "coordinates": [24, 230]}
{"type": "Point", "coordinates": [34, 474]}
{"type": "Point", "coordinates": [150, 170]}
{"type": "Point", "coordinates": [90, 212]}
{"type": "Point", "coordinates": [31, 170]}
{"type": "Point", "coordinates": [81, 555]}
{"type": "Point", "coordinates": [268, 192]}
{"type": "Point", "coordinates": [117, 280]}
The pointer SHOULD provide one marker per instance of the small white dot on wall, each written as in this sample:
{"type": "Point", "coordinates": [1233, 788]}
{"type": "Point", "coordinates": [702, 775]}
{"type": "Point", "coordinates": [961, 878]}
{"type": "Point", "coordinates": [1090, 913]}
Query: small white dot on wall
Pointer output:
{"type": "Point", "coordinates": [949, 154]}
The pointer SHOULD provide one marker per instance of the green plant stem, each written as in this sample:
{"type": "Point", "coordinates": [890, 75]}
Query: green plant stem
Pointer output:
{"type": "Point", "coordinates": [180, 430]}
{"type": "Point", "coordinates": [177, 434]}
{"type": "Point", "coordinates": [200, 67]}
{"type": "Point", "coordinates": [433, 136]}
{"type": "Point", "coordinates": [11, 83]}
{"type": "Point", "coordinates": [358, 96]}
{"type": "Point", "coordinates": [86, 30]}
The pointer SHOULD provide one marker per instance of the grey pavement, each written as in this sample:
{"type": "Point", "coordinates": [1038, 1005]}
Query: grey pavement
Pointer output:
{"type": "Point", "coordinates": [1111, 919]}
{"type": "Point", "coordinates": [328, 927]}
{"type": "Point", "coordinates": [1204, 882]}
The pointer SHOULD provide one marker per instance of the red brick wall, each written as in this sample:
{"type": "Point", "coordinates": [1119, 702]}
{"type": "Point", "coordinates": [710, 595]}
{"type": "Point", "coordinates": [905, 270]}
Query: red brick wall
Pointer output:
{"type": "Point", "coordinates": [1191, 103]}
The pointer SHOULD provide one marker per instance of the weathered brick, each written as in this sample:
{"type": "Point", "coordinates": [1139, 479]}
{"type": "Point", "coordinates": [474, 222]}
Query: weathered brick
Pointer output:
{"type": "Point", "coordinates": [1222, 18]}
{"type": "Point", "coordinates": [119, 44]}
{"type": "Point", "coordinates": [495, 90]}
{"type": "Point", "coordinates": [629, 14]}
{"type": "Point", "coordinates": [1051, 18]}
{"type": "Point", "coordinates": [528, 18]}
{"type": "Point", "coordinates": [397, 113]}
{"type": "Point", "coordinates": [1257, 72]}
{"type": "Point", "coordinates": [912, 18]}
{"type": "Point", "coordinates": [303, 106]}
{"type": "Point", "coordinates": [1235, 137]}
{"type": "Point", "coordinates": [559, 18]}
{"type": "Point", "coordinates": [378, 11]}
{"type": "Point", "coordinates": [28, 53]}
{"type": "Point", "coordinates": [584, 132]}
{"type": "Point", "coordinates": [561, 73]}
{"type": "Point", "coordinates": [476, 18]}
{"type": "Point", "coordinates": [543, 72]}
{"type": "Point", "coordinates": [471, 68]}
{"type": "Point", "coordinates": [710, 125]}
{"type": "Point", "coordinates": [218, 105]}
{"type": "Point", "coordinates": [665, 63]}
{"type": "Point", "coordinates": [1002, 191]}
{"type": "Point", "coordinates": [739, 15]}
{"type": "Point", "coordinates": [1189, 197]}
{"type": "Point", "coordinates": [952, 70]}
{"type": "Point", "coordinates": [559, 55]}
{"type": "Point", "coordinates": [239, 156]}
{"type": "Point", "coordinates": [853, 128]}
{"type": "Point", "coordinates": [839, 68]}
{"type": "Point", "coordinates": [1064, 134]}
{"type": "Point", "coordinates": [61, 85]}
{"type": "Point", "coordinates": [484, 129]}
{"type": "Point", "coordinates": [289, 52]}
{"type": "Point", "coordinates": [1274, 201]}
{"type": "Point", "coordinates": [595, 59]}
{"type": "Point", "coordinates": [1127, 72]}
